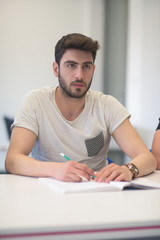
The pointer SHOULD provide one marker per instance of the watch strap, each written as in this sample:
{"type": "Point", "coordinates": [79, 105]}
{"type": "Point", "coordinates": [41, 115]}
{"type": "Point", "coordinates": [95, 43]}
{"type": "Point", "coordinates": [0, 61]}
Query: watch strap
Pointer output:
{"type": "Point", "coordinates": [133, 169]}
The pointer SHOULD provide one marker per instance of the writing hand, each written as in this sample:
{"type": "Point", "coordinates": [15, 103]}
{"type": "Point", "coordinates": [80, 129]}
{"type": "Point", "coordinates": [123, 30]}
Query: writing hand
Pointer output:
{"type": "Point", "coordinates": [72, 171]}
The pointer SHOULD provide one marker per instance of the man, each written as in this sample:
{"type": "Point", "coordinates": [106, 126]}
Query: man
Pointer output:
{"type": "Point", "coordinates": [156, 145]}
{"type": "Point", "coordinates": [75, 121]}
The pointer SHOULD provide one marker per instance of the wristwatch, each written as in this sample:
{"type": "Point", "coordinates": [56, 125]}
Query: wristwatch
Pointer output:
{"type": "Point", "coordinates": [134, 170]}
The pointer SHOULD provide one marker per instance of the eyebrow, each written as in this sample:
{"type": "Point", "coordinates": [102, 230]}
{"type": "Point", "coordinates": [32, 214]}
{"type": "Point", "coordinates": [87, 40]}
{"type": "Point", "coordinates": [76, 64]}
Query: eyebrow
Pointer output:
{"type": "Point", "coordinates": [70, 61]}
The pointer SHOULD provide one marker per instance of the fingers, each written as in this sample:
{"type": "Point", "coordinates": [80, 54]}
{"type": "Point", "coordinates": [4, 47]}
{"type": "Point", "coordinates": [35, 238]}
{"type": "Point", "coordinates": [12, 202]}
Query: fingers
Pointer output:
{"type": "Point", "coordinates": [72, 171]}
{"type": "Point", "coordinates": [83, 168]}
{"type": "Point", "coordinates": [113, 172]}
{"type": "Point", "coordinates": [70, 177]}
{"type": "Point", "coordinates": [76, 172]}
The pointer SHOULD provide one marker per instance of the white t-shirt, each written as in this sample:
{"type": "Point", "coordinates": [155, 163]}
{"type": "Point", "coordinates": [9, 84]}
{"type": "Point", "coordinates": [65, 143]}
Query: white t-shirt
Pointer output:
{"type": "Point", "coordinates": [85, 140]}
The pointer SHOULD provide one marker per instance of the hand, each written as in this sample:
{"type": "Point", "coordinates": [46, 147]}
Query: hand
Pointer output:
{"type": "Point", "coordinates": [113, 172]}
{"type": "Point", "coordinates": [71, 171]}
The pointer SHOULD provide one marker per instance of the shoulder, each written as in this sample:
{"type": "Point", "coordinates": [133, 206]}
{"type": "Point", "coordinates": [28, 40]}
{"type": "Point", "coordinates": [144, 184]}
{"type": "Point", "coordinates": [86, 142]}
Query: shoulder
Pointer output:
{"type": "Point", "coordinates": [97, 95]}
{"type": "Point", "coordinates": [38, 95]}
{"type": "Point", "coordinates": [107, 103]}
{"type": "Point", "coordinates": [44, 91]}
{"type": "Point", "coordinates": [102, 98]}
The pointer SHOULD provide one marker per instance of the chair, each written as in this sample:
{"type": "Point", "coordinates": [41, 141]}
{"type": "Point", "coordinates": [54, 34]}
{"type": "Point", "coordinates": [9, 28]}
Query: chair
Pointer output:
{"type": "Point", "coordinates": [109, 160]}
{"type": "Point", "coordinates": [8, 122]}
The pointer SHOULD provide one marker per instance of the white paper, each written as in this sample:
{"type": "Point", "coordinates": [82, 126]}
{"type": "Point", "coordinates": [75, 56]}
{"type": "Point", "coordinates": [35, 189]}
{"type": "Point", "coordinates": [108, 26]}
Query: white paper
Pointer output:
{"type": "Point", "coordinates": [71, 187]}
{"type": "Point", "coordinates": [92, 186]}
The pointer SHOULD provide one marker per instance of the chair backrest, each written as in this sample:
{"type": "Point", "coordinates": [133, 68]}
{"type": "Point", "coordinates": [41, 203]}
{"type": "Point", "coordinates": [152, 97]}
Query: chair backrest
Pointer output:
{"type": "Point", "coordinates": [158, 127]}
{"type": "Point", "coordinates": [109, 160]}
{"type": "Point", "coordinates": [8, 122]}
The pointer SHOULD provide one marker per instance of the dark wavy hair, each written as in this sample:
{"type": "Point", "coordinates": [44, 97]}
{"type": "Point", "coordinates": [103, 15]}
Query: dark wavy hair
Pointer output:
{"type": "Point", "coordinates": [75, 41]}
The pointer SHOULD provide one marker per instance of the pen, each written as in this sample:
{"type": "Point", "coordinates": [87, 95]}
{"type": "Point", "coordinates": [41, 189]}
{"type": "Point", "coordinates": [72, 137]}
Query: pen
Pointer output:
{"type": "Point", "coordinates": [63, 155]}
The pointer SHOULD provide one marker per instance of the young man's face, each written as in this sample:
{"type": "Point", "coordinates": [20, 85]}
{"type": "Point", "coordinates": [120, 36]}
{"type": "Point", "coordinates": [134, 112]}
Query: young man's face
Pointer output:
{"type": "Point", "coordinates": [75, 72]}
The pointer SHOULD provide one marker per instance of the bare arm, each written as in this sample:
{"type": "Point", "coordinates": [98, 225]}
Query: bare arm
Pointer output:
{"type": "Point", "coordinates": [18, 162]}
{"type": "Point", "coordinates": [131, 144]}
{"type": "Point", "coordinates": [156, 147]}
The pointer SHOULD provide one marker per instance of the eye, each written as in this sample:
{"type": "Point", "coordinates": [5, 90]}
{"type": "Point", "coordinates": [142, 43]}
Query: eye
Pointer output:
{"type": "Point", "coordinates": [87, 66]}
{"type": "Point", "coordinates": [71, 65]}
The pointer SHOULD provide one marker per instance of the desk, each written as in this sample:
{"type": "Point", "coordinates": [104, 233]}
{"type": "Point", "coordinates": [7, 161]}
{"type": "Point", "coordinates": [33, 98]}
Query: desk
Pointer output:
{"type": "Point", "coordinates": [3, 152]}
{"type": "Point", "coordinates": [31, 210]}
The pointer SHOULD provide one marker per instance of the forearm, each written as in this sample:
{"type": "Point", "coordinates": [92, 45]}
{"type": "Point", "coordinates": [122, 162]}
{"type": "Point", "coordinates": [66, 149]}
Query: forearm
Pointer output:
{"type": "Point", "coordinates": [158, 163]}
{"type": "Point", "coordinates": [24, 165]}
{"type": "Point", "coordinates": [68, 171]}
{"type": "Point", "coordinates": [145, 162]}
{"type": "Point", "coordinates": [157, 156]}
{"type": "Point", "coordinates": [156, 147]}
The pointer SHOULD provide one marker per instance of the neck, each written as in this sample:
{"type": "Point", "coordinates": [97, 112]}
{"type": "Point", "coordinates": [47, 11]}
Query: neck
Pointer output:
{"type": "Point", "coordinates": [69, 107]}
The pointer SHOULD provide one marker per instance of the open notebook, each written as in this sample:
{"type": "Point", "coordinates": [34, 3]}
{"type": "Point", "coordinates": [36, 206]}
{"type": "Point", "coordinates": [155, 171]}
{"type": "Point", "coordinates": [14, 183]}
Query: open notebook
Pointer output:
{"type": "Point", "coordinates": [147, 182]}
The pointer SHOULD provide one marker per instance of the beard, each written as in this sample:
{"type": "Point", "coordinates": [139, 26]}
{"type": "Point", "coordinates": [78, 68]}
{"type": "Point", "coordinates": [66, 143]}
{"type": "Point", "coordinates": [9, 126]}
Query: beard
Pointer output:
{"type": "Point", "coordinates": [79, 92]}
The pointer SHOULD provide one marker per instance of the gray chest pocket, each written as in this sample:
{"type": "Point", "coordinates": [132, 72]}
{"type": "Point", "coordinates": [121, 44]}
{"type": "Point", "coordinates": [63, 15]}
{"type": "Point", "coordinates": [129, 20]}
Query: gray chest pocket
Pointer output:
{"type": "Point", "coordinates": [94, 145]}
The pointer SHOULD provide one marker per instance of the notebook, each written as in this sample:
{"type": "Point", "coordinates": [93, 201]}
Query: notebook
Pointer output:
{"type": "Point", "coordinates": [92, 186]}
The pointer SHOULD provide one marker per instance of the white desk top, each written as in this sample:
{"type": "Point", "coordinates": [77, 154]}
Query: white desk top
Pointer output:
{"type": "Point", "coordinates": [28, 208]}
{"type": "Point", "coordinates": [3, 153]}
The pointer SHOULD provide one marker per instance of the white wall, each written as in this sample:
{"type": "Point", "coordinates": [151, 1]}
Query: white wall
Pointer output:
{"type": "Point", "coordinates": [29, 30]}
{"type": "Point", "coordinates": [143, 66]}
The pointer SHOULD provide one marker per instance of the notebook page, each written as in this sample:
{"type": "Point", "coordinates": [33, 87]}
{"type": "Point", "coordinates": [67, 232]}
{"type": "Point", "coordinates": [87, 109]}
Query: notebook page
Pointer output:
{"type": "Point", "coordinates": [75, 187]}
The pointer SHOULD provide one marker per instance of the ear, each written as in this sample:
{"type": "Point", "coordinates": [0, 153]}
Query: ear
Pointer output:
{"type": "Point", "coordinates": [55, 69]}
{"type": "Point", "coordinates": [94, 66]}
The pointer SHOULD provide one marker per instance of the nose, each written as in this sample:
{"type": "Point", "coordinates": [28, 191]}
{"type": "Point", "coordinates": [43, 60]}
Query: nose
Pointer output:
{"type": "Point", "coordinates": [79, 73]}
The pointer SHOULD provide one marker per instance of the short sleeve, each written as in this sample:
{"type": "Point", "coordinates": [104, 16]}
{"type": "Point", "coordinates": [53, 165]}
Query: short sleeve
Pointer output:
{"type": "Point", "coordinates": [115, 113]}
{"type": "Point", "coordinates": [27, 115]}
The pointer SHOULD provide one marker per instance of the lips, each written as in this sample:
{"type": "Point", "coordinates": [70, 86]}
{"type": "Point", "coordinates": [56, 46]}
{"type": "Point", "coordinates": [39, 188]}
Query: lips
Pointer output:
{"type": "Point", "coordinates": [78, 85]}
